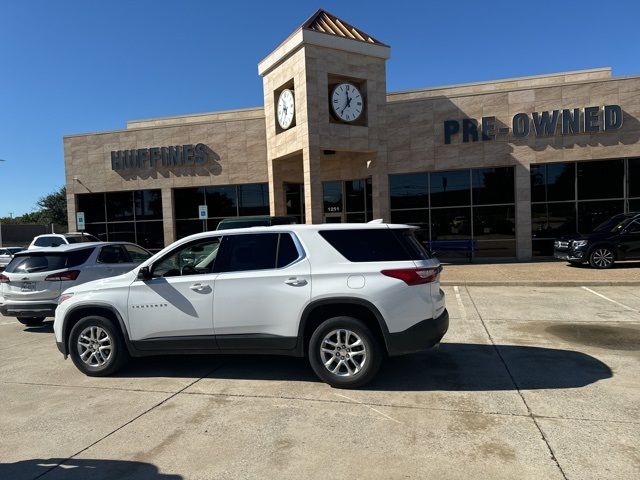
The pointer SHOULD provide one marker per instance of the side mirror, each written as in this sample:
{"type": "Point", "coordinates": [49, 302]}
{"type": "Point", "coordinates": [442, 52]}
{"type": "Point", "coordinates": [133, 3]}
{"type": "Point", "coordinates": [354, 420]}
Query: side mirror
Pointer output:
{"type": "Point", "coordinates": [144, 273]}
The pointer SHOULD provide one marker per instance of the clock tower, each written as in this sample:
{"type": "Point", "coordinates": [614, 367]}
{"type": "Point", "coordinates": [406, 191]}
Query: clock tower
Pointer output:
{"type": "Point", "coordinates": [324, 101]}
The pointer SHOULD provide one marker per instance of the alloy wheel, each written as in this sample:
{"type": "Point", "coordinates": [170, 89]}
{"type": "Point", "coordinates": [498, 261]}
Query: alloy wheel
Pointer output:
{"type": "Point", "coordinates": [343, 352]}
{"type": "Point", "coordinates": [95, 346]}
{"type": "Point", "coordinates": [602, 257]}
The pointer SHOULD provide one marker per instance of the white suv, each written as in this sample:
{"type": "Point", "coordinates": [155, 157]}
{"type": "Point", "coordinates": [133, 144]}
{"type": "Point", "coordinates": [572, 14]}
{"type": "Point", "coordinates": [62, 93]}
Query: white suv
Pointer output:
{"type": "Point", "coordinates": [57, 239]}
{"type": "Point", "coordinates": [343, 295]}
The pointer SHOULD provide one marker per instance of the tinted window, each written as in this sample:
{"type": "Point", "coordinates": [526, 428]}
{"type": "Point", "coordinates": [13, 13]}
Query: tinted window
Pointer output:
{"type": "Point", "coordinates": [49, 242]}
{"type": "Point", "coordinates": [634, 227]}
{"type": "Point", "coordinates": [450, 223]}
{"type": "Point", "coordinates": [93, 206]}
{"type": "Point", "coordinates": [80, 238]}
{"type": "Point", "coordinates": [112, 254]}
{"type": "Point", "coordinates": [561, 181]}
{"type": "Point", "coordinates": [379, 245]}
{"type": "Point", "coordinates": [538, 175]}
{"type": "Point", "coordinates": [493, 185]}
{"type": "Point", "coordinates": [254, 199]}
{"type": "Point", "coordinates": [409, 191]}
{"type": "Point", "coordinates": [248, 252]}
{"type": "Point", "coordinates": [119, 206]}
{"type": "Point", "coordinates": [602, 179]}
{"type": "Point", "coordinates": [592, 214]}
{"type": "Point", "coordinates": [450, 188]}
{"type": "Point", "coordinates": [186, 201]}
{"type": "Point", "coordinates": [137, 254]}
{"type": "Point", "coordinates": [354, 195]}
{"type": "Point", "coordinates": [222, 201]}
{"type": "Point", "coordinates": [634, 177]}
{"type": "Point", "coordinates": [332, 196]}
{"type": "Point", "coordinates": [47, 262]}
{"type": "Point", "coordinates": [287, 251]}
{"type": "Point", "coordinates": [148, 204]}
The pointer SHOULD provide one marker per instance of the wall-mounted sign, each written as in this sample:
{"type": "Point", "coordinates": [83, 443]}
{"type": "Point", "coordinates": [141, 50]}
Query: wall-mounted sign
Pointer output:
{"type": "Point", "coordinates": [203, 212]}
{"type": "Point", "coordinates": [156, 157]}
{"type": "Point", "coordinates": [80, 221]}
{"type": "Point", "coordinates": [542, 124]}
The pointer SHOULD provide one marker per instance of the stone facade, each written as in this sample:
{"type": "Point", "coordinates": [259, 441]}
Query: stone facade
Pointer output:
{"type": "Point", "coordinates": [402, 132]}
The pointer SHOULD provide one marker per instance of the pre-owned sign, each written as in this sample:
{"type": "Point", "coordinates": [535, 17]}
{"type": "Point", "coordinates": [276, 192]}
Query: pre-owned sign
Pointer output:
{"type": "Point", "coordinates": [542, 124]}
{"type": "Point", "coordinates": [154, 157]}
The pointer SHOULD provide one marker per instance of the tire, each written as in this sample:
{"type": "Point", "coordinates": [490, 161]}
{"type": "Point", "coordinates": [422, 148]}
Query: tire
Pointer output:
{"type": "Point", "coordinates": [601, 257]}
{"type": "Point", "coordinates": [352, 372]}
{"type": "Point", "coordinates": [31, 321]}
{"type": "Point", "coordinates": [97, 332]}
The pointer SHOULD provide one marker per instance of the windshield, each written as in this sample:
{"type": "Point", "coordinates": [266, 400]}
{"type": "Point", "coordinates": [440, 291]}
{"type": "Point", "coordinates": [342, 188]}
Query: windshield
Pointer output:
{"type": "Point", "coordinates": [614, 224]}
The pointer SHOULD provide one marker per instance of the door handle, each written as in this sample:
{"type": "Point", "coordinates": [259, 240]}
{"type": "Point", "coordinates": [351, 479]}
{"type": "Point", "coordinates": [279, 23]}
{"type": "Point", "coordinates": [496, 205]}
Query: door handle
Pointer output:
{"type": "Point", "coordinates": [198, 287]}
{"type": "Point", "coordinates": [296, 282]}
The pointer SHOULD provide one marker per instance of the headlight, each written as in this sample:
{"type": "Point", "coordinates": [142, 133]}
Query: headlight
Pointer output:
{"type": "Point", "coordinates": [65, 297]}
{"type": "Point", "coordinates": [580, 243]}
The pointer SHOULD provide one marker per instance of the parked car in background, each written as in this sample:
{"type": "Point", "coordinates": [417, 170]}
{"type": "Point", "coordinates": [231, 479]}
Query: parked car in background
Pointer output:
{"type": "Point", "coordinates": [6, 254]}
{"type": "Point", "coordinates": [32, 283]}
{"type": "Point", "coordinates": [257, 221]}
{"type": "Point", "coordinates": [343, 295]}
{"type": "Point", "coordinates": [616, 239]}
{"type": "Point", "coordinates": [57, 239]}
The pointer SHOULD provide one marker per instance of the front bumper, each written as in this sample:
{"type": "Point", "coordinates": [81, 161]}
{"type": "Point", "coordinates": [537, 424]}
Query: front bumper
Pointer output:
{"type": "Point", "coordinates": [28, 309]}
{"type": "Point", "coordinates": [420, 337]}
{"type": "Point", "coordinates": [570, 255]}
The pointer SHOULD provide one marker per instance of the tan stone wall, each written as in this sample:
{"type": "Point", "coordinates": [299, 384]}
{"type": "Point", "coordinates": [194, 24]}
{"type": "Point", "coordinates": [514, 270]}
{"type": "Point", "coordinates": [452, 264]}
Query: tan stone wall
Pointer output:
{"type": "Point", "coordinates": [239, 148]}
{"type": "Point", "coordinates": [415, 132]}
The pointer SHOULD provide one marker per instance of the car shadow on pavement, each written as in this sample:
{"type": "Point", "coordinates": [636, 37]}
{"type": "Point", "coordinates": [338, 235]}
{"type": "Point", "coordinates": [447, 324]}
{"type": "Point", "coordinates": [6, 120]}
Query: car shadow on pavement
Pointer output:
{"type": "Point", "coordinates": [46, 327]}
{"type": "Point", "coordinates": [452, 367]}
{"type": "Point", "coordinates": [615, 266]}
{"type": "Point", "coordinates": [82, 469]}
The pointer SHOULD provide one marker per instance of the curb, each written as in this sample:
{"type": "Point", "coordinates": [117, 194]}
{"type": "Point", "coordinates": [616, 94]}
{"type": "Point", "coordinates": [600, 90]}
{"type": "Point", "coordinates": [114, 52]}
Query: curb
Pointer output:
{"type": "Point", "coordinates": [527, 283]}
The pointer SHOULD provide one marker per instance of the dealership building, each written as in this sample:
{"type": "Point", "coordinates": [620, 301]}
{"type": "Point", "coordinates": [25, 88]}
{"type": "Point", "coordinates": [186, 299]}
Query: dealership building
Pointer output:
{"type": "Point", "coordinates": [505, 166]}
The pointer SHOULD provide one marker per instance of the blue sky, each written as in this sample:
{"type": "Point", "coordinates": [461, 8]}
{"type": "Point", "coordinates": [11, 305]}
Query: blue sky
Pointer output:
{"type": "Point", "coordinates": [81, 66]}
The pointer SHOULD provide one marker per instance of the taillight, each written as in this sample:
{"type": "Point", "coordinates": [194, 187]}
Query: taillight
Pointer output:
{"type": "Point", "coordinates": [4, 278]}
{"type": "Point", "coordinates": [69, 275]}
{"type": "Point", "coordinates": [414, 276]}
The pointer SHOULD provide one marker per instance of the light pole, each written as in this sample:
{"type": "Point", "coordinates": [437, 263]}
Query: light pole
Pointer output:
{"type": "Point", "coordinates": [1, 160]}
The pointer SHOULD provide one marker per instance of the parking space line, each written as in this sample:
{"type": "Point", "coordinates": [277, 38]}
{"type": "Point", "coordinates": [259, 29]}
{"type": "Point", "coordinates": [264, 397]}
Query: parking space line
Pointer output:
{"type": "Point", "coordinates": [463, 312]}
{"type": "Point", "coordinates": [369, 407]}
{"type": "Point", "coordinates": [626, 307]}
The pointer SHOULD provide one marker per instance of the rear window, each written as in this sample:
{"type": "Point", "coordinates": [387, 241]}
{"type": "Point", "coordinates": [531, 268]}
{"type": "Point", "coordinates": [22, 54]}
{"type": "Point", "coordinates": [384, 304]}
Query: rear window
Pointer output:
{"type": "Point", "coordinates": [46, 262]}
{"type": "Point", "coordinates": [49, 242]}
{"type": "Point", "coordinates": [376, 245]}
{"type": "Point", "coordinates": [81, 238]}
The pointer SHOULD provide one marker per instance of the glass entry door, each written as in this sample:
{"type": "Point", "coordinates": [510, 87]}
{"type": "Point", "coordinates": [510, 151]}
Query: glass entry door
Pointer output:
{"type": "Point", "coordinates": [348, 201]}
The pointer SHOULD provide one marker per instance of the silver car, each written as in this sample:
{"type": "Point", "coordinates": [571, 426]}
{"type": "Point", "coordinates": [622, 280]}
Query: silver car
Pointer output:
{"type": "Point", "coordinates": [6, 254]}
{"type": "Point", "coordinates": [33, 281]}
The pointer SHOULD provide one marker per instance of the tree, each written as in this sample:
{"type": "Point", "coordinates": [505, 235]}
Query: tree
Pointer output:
{"type": "Point", "coordinates": [53, 207]}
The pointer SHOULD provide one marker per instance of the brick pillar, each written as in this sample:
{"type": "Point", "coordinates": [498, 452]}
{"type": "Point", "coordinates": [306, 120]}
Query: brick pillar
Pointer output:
{"type": "Point", "coordinates": [168, 217]}
{"type": "Point", "coordinates": [312, 185]}
{"type": "Point", "coordinates": [523, 212]}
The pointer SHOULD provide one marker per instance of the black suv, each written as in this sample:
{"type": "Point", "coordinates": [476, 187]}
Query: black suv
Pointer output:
{"type": "Point", "coordinates": [616, 239]}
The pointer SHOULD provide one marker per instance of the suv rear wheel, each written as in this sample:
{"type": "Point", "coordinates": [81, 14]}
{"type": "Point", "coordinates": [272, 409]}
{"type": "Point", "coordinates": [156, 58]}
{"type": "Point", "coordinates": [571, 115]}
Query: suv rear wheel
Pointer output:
{"type": "Point", "coordinates": [601, 257]}
{"type": "Point", "coordinates": [31, 321]}
{"type": "Point", "coordinates": [96, 346]}
{"type": "Point", "coordinates": [344, 353]}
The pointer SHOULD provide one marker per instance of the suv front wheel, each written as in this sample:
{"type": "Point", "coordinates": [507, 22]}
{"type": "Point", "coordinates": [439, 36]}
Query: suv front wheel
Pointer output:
{"type": "Point", "coordinates": [344, 353]}
{"type": "Point", "coordinates": [601, 257]}
{"type": "Point", "coordinates": [96, 346]}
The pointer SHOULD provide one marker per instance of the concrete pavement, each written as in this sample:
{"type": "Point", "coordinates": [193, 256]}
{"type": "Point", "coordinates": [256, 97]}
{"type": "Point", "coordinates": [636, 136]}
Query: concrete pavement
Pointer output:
{"type": "Point", "coordinates": [530, 383]}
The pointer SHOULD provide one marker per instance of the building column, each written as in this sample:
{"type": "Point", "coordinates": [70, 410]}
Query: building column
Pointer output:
{"type": "Point", "coordinates": [277, 205]}
{"type": "Point", "coordinates": [380, 187]}
{"type": "Point", "coordinates": [168, 217]}
{"type": "Point", "coordinates": [312, 185]}
{"type": "Point", "coordinates": [523, 212]}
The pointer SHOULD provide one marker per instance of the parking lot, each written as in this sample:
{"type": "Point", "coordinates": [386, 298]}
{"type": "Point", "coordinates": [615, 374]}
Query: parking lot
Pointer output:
{"type": "Point", "coordinates": [530, 382]}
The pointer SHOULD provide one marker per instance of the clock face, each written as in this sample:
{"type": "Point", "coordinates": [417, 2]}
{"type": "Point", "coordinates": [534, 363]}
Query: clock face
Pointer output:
{"type": "Point", "coordinates": [286, 109]}
{"type": "Point", "coordinates": [347, 102]}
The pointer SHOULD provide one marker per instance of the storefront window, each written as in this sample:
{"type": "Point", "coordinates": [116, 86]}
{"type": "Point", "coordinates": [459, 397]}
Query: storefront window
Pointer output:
{"type": "Point", "coordinates": [222, 201]}
{"type": "Point", "coordinates": [332, 197]}
{"type": "Point", "coordinates": [254, 199]}
{"type": "Point", "coordinates": [451, 223]}
{"type": "Point", "coordinates": [294, 200]}
{"type": "Point", "coordinates": [556, 212]}
{"type": "Point", "coordinates": [409, 191]}
{"type": "Point", "coordinates": [494, 222]}
{"type": "Point", "coordinates": [601, 179]}
{"type": "Point", "coordinates": [347, 201]}
{"type": "Point", "coordinates": [450, 188]}
{"type": "Point", "coordinates": [134, 217]}
{"type": "Point", "coordinates": [493, 185]}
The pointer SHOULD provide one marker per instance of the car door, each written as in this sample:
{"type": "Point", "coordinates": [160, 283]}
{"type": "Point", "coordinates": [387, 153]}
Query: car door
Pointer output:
{"type": "Point", "coordinates": [629, 244]}
{"type": "Point", "coordinates": [176, 303]}
{"type": "Point", "coordinates": [264, 284]}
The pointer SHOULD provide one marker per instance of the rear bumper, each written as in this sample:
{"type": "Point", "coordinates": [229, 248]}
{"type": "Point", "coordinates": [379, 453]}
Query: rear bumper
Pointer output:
{"type": "Point", "coordinates": [28, 309]}
{"type": "Point", "coordinates": [422, 336]}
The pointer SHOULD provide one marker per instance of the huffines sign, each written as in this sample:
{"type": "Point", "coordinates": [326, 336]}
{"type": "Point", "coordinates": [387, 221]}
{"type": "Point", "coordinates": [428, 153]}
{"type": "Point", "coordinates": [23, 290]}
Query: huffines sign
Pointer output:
{"type": "Point", "coordinates": [541, 124]}
{"type": "Point", "coordinates": [157, 157]}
